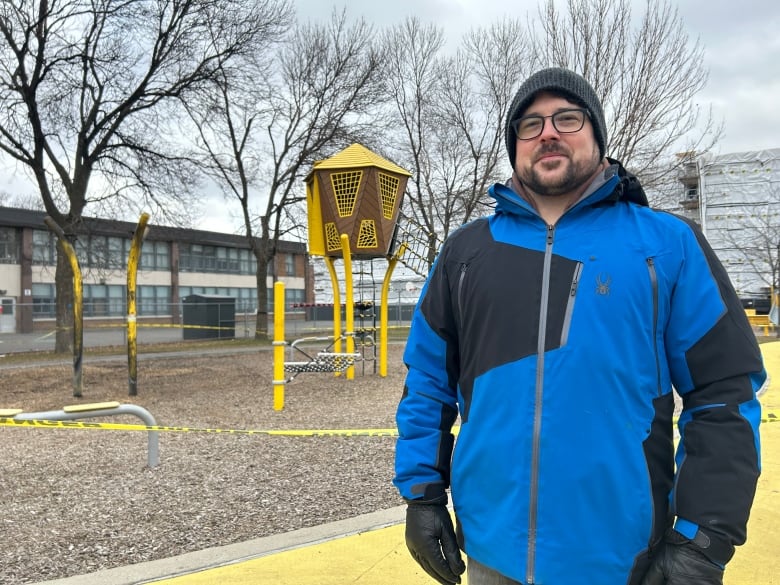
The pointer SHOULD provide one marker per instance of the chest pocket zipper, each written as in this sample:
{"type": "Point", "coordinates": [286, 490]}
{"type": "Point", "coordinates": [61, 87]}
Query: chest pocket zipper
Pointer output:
{"type": "Point", "coordinates": [575, 282]}
{"type": "Point", "coordinates": [461, 279]}
{"type": "Point", "coordinates": [654, 286]}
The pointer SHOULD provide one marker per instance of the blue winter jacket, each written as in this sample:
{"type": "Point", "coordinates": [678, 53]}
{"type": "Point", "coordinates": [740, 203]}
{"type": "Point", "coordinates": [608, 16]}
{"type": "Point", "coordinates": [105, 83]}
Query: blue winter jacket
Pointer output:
{"type": "Point", "coordinates": [559, 346]}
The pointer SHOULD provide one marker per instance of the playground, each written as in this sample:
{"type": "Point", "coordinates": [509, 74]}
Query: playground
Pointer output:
{"type": "Point", "coordinates": [244, 446]}
{"type": "Point", "coordinates": [81, 499]}
{"type": "Point", "coordinates": [76, 500]}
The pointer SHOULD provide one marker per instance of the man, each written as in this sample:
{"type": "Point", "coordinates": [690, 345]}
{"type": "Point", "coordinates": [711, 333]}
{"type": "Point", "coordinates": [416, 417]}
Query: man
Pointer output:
{"type": "Point", "coordinates": [556, 328]}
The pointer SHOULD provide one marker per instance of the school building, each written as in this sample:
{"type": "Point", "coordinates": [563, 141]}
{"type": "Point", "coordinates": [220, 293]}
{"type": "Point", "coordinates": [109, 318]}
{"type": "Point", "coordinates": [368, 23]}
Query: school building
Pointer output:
{"type": "Point", "coordinates": [175, 263]}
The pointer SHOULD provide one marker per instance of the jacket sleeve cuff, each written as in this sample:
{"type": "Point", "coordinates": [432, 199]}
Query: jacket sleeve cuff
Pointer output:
{"type": "Point", "coordinates": [714, 546]}
{"type": "Point", "coordinates": [431, 493]}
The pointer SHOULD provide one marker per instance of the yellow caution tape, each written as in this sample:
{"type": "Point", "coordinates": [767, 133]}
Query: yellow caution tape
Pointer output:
{"type": "Point", "coordinates": [72, 424]}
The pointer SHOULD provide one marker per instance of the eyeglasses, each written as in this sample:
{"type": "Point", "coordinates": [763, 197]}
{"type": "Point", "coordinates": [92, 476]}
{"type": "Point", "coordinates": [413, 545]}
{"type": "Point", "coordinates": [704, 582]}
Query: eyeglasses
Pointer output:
{"type": "Point", "coordinates": [564, 121]}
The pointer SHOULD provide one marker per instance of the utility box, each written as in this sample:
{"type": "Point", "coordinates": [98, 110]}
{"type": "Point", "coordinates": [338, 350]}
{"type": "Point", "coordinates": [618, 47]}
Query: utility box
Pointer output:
{"type": "Point", "coordinates": [209, 317]}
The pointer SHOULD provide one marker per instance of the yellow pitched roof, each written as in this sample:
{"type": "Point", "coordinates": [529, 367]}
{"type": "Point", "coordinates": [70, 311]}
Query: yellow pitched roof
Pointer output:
{"type": "Point", "coordinates": [357, 155]}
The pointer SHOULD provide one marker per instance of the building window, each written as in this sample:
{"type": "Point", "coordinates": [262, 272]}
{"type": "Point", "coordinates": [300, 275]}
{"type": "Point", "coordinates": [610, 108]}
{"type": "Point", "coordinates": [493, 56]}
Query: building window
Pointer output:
{"type": "Point", "coordinates": [246, 301]}
{"type": "Point", "coordinates": [155, 256]}
{"type": "Point", "coordinates": [98, 252]}
{"type": "Point", "coordinates": [44, 248]}
{"type": "Point", "coordinates": [101, 300]}
{"type": "Point", "coordinates": [81, 245]}
{"type": "Point", "coordinates": [116, 256]}
{"type": "Point", "coordinates": [220, 259]}
{"type": "Point", "coordinates": [96, 300]}
{"type": "Point", "coordinates": [117, 302]}
{"type": "Point", "coordinates": [233, 264]}
{"type": "Point", "coordinates": [289, 264]}
{"type": "Point", "coordinates": [44, 300]}
{"type": "Point", "coordinates": [162, 255]}
{"type": "Point", "coordinates": [9, 246]}
{"type": "Point", "coordinates": [294, 296]}
{"type": "Point", "coordinates": [247, 262]}
{"type": "Point", "coordinates": [102, 252]}
{"type": "Point", "coordinates": [198, 258]}
{"type": "Point", "coordinates": [154, 300]}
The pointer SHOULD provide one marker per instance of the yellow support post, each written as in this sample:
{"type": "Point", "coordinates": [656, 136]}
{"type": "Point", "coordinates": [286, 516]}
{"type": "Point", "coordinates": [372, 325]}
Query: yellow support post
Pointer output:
{"type": "Point", "coordinates": [132, 325]}
{"type": "Point", "coordinates": [383, 310]}
{"type": "Point", "coordinates": [279, 345]}
{"type": "Point", "coordinates": [78, 304]}
{"type": "Point", "coordinates": [349, 303]}
{"type": "Point", "coordinates": [334, 283]}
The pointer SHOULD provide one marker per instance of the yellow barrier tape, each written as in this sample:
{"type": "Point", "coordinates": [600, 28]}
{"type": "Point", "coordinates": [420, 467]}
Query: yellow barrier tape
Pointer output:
{"type": "Point", "coordinates": [72, 424]}
{"type": "Point", "coordinates": [141, 324]}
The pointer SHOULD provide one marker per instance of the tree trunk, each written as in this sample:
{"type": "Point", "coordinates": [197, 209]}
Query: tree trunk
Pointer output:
{"type": "Point", "coordinates": [261, 326]}
{"type": "Point", "coordinates": [64, 318]}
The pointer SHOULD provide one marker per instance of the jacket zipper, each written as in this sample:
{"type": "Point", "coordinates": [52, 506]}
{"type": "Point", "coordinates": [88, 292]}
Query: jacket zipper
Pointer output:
{"type": "Point", "coordinates": [570, 304]}
{"type": "Point", "coordinates": [533, 499]}
{"type": "Point", "coordinates": [461, 279]}
{"type": "Point", "coordinates": [654, 286]}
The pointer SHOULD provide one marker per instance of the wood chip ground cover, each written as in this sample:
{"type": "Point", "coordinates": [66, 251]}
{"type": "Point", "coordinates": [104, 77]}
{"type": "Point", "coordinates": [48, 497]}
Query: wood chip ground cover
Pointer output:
{"type": "Point", "coordinates": [78, 501]}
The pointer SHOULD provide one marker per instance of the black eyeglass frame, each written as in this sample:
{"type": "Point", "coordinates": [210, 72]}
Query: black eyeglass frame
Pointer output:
{"type": "Point", "coordinates": [516, 122]}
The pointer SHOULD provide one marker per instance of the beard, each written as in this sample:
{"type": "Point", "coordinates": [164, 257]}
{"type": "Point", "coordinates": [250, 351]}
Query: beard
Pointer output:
{"type": "Point", "coordinates": [575, 173]}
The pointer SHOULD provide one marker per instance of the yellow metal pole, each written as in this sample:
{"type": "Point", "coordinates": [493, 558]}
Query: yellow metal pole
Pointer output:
{"type": "Point", "coordinates": [349, 303]}
{"type": "Point", "coordinates": [383, 310]}
{"type": "Point", "coordinates": [78, 303]}
{"type": "Point", "coordinates": [334, 283]}
{"type": "Point", "coordinates": [279, 345]}
{"type": "Point", "coordinates": [132, 325]}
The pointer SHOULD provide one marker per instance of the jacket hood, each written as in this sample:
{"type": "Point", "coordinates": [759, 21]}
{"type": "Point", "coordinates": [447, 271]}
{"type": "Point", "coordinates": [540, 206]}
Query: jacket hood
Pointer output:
{"type": "Point", "coordinates": [615, 184]}
{"type": "Point", "coordinates": [629, 188]}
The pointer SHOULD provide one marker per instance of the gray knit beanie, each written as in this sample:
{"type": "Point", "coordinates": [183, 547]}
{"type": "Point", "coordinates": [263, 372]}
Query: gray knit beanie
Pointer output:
{"type": "Point", "coordinates": [557, 80]}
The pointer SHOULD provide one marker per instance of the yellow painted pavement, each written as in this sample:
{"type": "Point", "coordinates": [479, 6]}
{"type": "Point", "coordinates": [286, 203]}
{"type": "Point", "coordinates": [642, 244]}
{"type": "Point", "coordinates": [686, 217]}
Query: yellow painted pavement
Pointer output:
{"type": "Point", "coordinates": [379, 557]}
{"type": "Point", "coordinates": [757, 562]}
{"type": "Point", "coordinates": [376, 557]}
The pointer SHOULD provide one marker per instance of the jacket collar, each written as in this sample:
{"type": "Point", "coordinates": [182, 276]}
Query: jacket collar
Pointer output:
{"type": "Point", "coordinates": [614, 184]}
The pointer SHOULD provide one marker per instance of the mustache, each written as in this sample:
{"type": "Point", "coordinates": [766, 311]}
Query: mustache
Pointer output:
{"type": "Point", "coordinates": [550, 147]}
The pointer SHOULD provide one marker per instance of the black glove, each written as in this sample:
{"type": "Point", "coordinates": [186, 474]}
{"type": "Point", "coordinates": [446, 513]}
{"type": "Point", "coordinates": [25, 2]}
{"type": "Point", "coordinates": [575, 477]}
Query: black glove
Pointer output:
{"type": "Point", "coordinates": [430, 538]}
{"type": "Point", "coordinates": [682, 562]}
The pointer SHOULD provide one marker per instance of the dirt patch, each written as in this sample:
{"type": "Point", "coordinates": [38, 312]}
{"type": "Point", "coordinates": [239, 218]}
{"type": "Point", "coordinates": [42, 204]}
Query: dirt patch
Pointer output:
{"type": "Point", "coordinates": [78, 501]}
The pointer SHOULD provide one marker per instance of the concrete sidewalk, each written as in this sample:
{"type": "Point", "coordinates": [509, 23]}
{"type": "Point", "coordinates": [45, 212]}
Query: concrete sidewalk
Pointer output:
{"type": "Point", "coordinates": [370, 549]}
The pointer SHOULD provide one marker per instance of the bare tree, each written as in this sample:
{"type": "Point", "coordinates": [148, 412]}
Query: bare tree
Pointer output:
{"type": "Point", "coordinates": [21, 200]}
{"type": "Point", "coordinates": [450, 111]}
{"type": "Point", "coordinates": [86, 87]}
{"type": "Point", "coordinates": [413, 72]}
{"type": "Point", "coordinates": [478, 88]}
{"type": "Point", "coordinates": [648, 74]}
{"type": "Point", "coordinates": [322, 94]}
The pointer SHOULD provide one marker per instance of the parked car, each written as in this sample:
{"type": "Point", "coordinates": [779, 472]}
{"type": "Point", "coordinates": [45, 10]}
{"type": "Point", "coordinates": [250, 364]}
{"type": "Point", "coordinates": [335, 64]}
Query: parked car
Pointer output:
{"type": "Point", "coordinates": [761, 304]}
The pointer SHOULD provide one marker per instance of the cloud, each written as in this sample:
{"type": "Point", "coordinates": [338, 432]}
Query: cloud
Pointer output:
{"type": "Point", "coordinates": [380, 13]}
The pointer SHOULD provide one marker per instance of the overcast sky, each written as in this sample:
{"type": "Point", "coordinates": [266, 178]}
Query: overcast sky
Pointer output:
{"type": "Point", "coordinates": [741, 40]}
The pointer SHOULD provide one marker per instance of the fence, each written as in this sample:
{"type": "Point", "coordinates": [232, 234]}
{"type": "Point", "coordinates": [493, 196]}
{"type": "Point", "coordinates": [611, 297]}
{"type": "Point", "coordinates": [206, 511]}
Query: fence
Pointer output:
{"type": "Point", "coordinates": [169, 326]}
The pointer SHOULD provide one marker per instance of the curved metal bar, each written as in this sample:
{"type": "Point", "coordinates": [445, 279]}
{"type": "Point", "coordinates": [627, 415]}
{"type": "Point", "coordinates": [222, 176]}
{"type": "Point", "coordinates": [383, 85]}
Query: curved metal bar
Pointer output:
{"type": "Point", "coordinates": [83, 411]}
